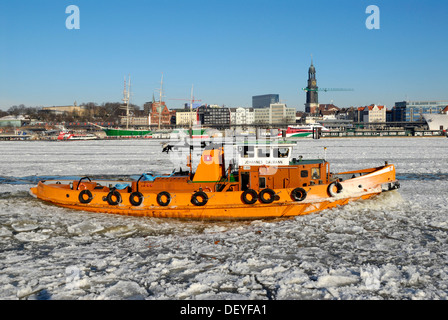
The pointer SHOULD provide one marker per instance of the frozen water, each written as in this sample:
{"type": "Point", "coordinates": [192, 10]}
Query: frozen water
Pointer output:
{"type": "Point", "coordinates": [392, 247]}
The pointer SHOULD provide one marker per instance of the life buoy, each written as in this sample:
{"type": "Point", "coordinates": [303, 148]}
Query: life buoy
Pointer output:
{"type": "Point", "coordinates": [331, 187]}
{"type": "Point", "coordinates": [201, 195]}
{"type": "Point", "coordinates": [298, 194]}
{"type": "Point", "coordinates": [113, 197]}
{"type": "Point", "coordinates": [253, 194]}
{"type": "Point", "coordinates": [133, 200]}
{"type": "Point", "coordinates": [268, 191]}
{"type": "Point", "coordinates": [160, 198]}
{"type": "Point", "coordinates": [83, 193]}
{"type": "Point", "coordinates": [82, 186]}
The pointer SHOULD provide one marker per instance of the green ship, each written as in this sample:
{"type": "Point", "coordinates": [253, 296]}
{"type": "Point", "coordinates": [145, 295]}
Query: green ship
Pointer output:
{"type": "Point", "coordinates": [112, 132]}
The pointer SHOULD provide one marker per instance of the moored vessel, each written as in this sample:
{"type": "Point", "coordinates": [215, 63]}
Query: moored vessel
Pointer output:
{"type": "Point", "coordinates": [266, 182]}
{"type": "Point", "coordinates": [307, 131]}
{"type": "Point", "coordinates": [126, 132]}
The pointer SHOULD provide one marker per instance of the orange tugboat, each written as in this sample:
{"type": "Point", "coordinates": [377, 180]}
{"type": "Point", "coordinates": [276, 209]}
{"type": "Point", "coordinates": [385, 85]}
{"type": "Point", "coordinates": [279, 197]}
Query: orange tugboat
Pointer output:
{"type": "Point", "coordinates": [266, 183]}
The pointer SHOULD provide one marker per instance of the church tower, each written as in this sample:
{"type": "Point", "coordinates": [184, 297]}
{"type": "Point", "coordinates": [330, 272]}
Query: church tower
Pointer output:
{"type": "Point", "coordinates": [312, 103]}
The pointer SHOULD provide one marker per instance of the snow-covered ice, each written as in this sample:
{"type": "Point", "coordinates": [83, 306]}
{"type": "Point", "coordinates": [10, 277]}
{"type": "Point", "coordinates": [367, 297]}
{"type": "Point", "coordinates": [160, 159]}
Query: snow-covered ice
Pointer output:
{"type": "Point", "coordinates": [391, 247]}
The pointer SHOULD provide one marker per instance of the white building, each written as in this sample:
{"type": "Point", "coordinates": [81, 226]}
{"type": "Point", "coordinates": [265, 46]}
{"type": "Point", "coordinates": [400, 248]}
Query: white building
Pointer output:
{"type": "Point", "coordinates": [185, 118]}
{"type": "Point", "coordinates": [242, 116]}
{"type": "Point", "coordinates": [374, 113]}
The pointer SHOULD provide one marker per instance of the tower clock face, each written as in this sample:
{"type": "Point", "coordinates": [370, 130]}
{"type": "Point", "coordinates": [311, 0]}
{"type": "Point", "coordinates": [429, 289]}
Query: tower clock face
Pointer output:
{"type": "Point", "coordinates": [313, 82]}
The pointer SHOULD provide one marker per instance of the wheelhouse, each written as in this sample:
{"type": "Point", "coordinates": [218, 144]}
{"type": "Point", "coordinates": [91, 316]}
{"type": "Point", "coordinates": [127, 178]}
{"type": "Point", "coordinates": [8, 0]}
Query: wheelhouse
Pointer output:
{"type": "Point", "coordinates": [272, 166]}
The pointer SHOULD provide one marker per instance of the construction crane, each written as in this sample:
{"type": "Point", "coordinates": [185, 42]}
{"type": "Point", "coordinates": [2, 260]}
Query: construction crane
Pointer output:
{"type": "Point", "coordinates": [327, 89]}
{"type": "Point", "coordinates": [192, 100]}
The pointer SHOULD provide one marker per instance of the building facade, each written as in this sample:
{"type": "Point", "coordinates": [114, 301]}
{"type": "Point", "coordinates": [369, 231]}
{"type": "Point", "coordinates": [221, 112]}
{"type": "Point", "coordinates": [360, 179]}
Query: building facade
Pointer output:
{"type": "Point", "coordinates": [242, 116]}
{"type": "Point", "coordinates": [213, 116]}
{"type": "Point", "coordinates": [157, 117]}
{"type": "Point", "coordinates": [277, 113]}
{"type": "Point", "coordinates": [410, 111]}
{"type": "Point", "coordinates": [74, 109]}
{"type": "Point", "coordinates": [264, 101]}
{"type": "Point", "coordinates": [186, 117]}
{"type": "Point", "coordinates": [135, 121]}
{"type": "Point", "coordinates": [372, 113]}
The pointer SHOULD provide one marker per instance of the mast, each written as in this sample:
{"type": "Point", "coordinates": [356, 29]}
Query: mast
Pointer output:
{"type": "Point", "coordinates": [126, 101]}
{"type": "Point", "coordinates": [191, 108]}
{"type": "Point", "coordinates": [127, 106]}
{"type": "Point", "coordinates": [160, 100]}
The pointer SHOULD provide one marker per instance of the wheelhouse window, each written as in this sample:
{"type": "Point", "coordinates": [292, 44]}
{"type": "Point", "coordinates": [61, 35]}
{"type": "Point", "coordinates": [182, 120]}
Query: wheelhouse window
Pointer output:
{"type": "Point", "coordinates": [315, 173]}
{"type": "Point", "coordinates": [262, 182]}
{"type": "Point", "coordinates": [281, 152]}
{"type": "Point", "coordinates": [246, 151]}
{"type": "Point", "coordinates": [304, 174]}
{"type": "Point", "coordinates": [263, 153]}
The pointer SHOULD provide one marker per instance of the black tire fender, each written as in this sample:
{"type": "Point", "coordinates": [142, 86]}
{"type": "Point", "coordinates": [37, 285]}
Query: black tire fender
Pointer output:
{"type": "Point", "coordinates": [133, 196]}
{"type": "Point", "coordinates": [268, 191]}
{"type": "Point", "coordinates": [331, 186]}
{"type": "Point", "coordinates": [199, 195]}
{"type": "Point", "coordinates": [252, 193]}
{"type": "Point", "coordinates": [298, 194]}
{"type": "Point", "coordinates": [110, 195]}
{"type": "Point", "coordinates": [89, 196]}
{"type": "Point", "coordinates": [160, 201]}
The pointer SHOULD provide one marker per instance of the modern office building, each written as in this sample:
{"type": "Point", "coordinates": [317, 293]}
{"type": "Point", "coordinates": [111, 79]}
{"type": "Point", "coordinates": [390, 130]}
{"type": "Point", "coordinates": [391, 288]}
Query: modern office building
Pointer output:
{"type": "Point", "coordinates": [264, 101]}
{"type": "Point", "coordinates": [411, 111]}
{"type": "Point", "coordinates": [214, 116]}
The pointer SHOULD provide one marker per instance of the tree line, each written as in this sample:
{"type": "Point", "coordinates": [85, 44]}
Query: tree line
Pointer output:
{"type": "Point", "coordinates": [106, 112]}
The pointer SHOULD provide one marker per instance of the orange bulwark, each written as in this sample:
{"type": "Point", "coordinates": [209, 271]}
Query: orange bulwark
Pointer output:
{"type": "Point", "coordinates": [266, 184]}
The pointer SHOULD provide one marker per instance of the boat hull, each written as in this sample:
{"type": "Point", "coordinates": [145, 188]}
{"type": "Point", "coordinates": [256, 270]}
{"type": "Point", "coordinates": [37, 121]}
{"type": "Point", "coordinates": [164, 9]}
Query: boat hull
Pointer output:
{"type": "Point", "coordinates": [224, 205]}
{"type": "Point", "coordinates": [125, 133]}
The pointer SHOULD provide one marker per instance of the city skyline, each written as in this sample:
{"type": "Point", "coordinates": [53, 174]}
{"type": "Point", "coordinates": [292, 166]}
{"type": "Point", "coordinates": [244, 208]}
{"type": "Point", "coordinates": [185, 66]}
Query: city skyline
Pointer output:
{"type": "Point", "coordinates": [230, 51]}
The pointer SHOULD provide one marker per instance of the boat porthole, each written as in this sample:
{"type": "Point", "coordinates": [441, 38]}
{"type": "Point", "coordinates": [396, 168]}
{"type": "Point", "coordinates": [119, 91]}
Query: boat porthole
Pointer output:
{"type": "Point", "coordinates": [199, 195]}
{"type": "Point", "coordinates": [113, 198]}
{"type": "Point", "coordinates": [163, 198]}
{"type": "Point", "coordinates": [82, 196]}
{"type": "Point", "coordinates": [298, 194]}
{"type": "Point", "coordinates": [331, 188]}
{"type": "Point", "coordinates": [136, 198]}
{"type": "Point", "coordinates": [269, 192]}
{"type": "Point", "coordinates": [253, 197]}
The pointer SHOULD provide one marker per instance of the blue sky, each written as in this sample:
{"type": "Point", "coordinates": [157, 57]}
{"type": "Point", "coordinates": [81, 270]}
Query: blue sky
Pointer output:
{"type": "Point", "coordinates": [229, 50]}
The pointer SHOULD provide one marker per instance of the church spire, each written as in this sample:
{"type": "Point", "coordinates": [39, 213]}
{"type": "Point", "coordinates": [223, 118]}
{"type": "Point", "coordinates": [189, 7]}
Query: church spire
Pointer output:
{"type": "Point", "coordinates": [312, 104]}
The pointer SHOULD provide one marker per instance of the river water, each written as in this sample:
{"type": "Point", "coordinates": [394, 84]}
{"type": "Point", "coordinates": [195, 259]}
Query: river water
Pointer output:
{"type": "Point", "coordinates": [392, 247]}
